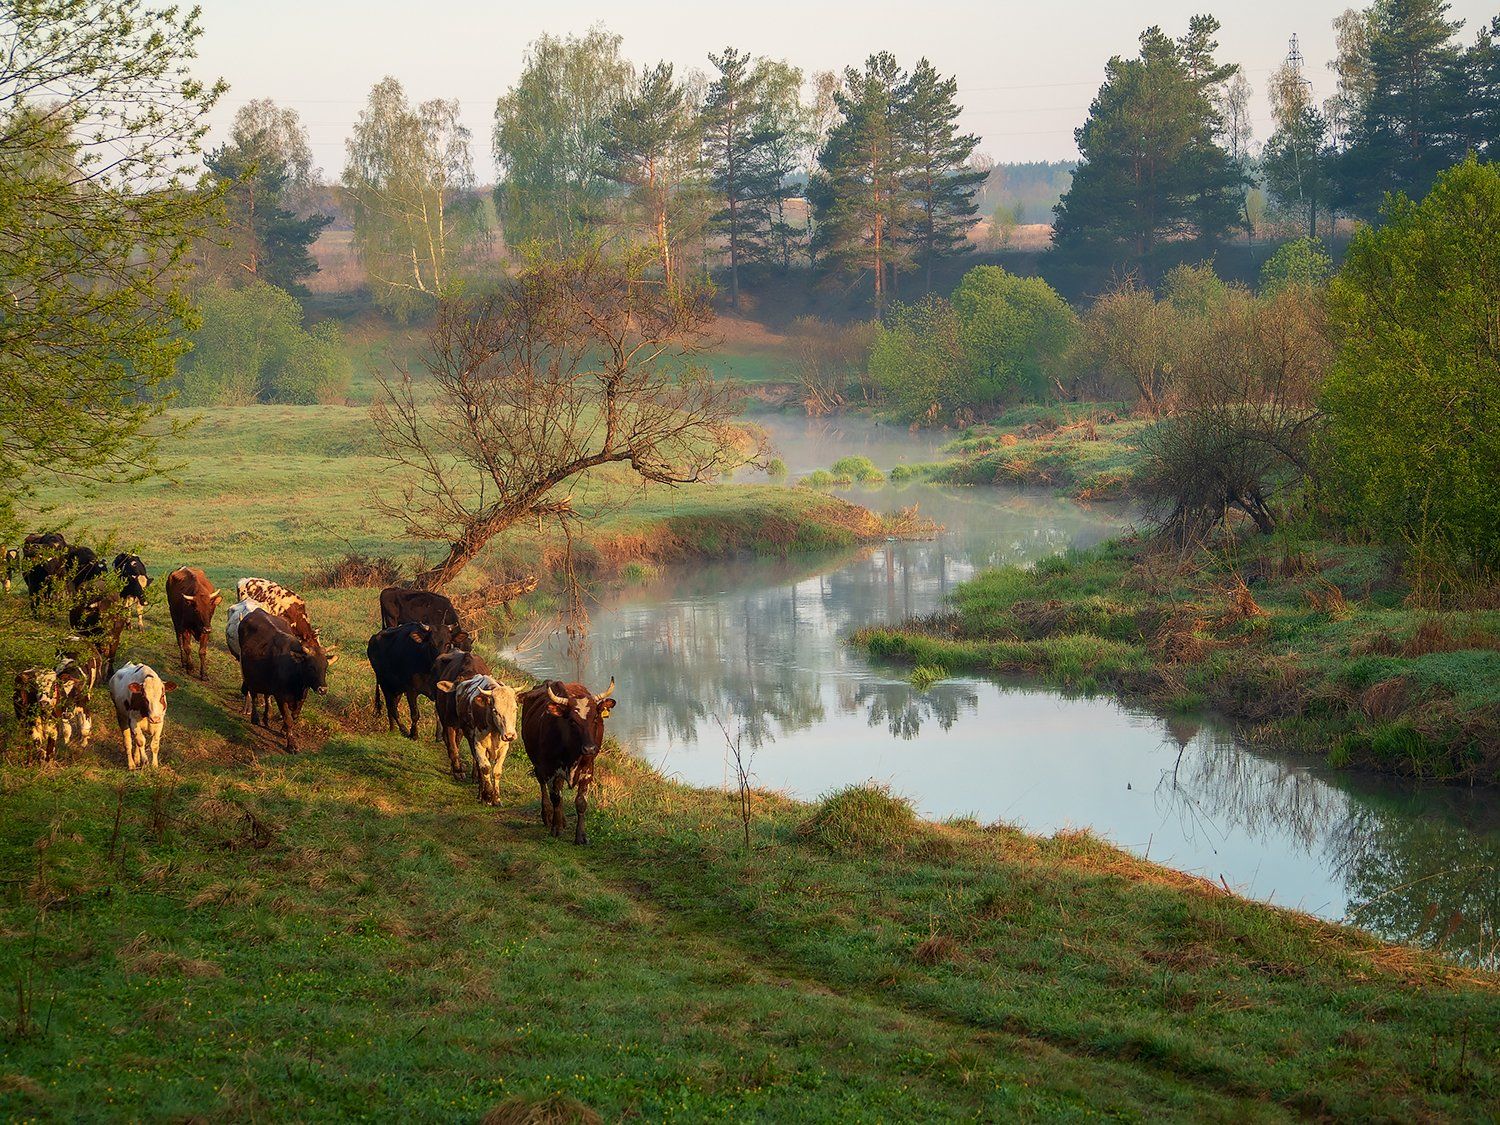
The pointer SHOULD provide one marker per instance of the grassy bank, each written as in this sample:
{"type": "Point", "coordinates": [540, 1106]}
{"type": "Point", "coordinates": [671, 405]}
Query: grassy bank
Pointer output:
{"type": "Point", "coordinates": [280, 490]}
{"type": "Point", "coordinates": [349, 933]}
{"type": "Point", "coordinates": [1310, 645]}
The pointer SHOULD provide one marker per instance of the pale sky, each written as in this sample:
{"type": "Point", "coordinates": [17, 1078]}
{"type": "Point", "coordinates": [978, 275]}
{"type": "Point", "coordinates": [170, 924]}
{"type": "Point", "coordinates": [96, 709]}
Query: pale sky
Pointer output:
{"type": "Point", "coordinates": [1026, 72]}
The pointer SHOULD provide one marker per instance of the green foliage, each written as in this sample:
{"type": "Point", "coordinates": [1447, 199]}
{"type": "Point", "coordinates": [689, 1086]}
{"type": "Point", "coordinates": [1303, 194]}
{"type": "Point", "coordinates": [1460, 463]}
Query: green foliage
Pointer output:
{"type": "Point", "coordinates": [408, 183]}
{"type": "Point", "coordinates": [101, 118]}
{"type": "Point", "coordinates": [1154, 111]}
{"type": "Point", "coordinates": [549, 130]}
{"type": "Point", "coordinates": [251, 348]}
{"type": "Point", "coordinates": [1414, 431]}
{"type": "Point", "coordinates": [918, 361]}
{"type": "Point", "coordinates": [858, 468]}
{"type": "Point", "coordinates": [776, 468]}
{"type": "Point", "coordinates": [1302, 261]}
{"type": "Point", "coordinates": [1016, 331]}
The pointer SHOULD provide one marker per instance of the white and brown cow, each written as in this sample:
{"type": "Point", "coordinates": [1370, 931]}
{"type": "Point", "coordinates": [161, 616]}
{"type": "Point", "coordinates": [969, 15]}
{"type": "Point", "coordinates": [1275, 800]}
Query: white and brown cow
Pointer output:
{"type": "Point", "coordinates": [484, 711]}
{"type": "Point", "coordinates": [237, 614]}
{"type": "Point", "coordinates": [52, 703]}
{"type": "Point", "coordinates": [280, 602]}
{"type": "Point", "coordinates": [140, 698]}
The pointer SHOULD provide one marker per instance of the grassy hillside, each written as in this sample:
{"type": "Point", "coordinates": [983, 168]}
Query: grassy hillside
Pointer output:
{"type": "Point", "coordinates": [348, 932]}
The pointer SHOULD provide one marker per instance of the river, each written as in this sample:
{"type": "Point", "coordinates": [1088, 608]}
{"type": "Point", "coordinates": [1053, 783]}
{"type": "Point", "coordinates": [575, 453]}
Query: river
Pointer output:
{"type": "Point", "coordinates": [759, 647]}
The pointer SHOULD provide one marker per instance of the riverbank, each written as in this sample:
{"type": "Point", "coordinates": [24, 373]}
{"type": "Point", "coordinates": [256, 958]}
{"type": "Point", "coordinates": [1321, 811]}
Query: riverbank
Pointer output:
{"type": "Point", "coordinates": [1309, 645]}
{"type": "Point", "coordinates": [348, 932]}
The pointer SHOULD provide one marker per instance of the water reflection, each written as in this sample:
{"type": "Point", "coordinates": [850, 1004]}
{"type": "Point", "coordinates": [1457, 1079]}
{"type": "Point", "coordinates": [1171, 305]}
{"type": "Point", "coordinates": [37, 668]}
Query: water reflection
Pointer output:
{"type": "Point", "coordinates": [759, 645]}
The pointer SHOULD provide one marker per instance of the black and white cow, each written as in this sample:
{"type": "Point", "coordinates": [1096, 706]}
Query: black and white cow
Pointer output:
{"type": "Point", "coordinates": [134, 579]}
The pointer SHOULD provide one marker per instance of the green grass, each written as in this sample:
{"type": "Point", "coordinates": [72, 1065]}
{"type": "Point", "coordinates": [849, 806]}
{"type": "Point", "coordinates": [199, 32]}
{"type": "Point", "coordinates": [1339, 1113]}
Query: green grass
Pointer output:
{"type": "Point", "coordinates": [1086, 450]}
{"type": "Point", "coordinates": [274, 490]}
{"type": "Point", "coordinates": [1320, 654]}
{"type": "Point", "coordinates": [348, 932]}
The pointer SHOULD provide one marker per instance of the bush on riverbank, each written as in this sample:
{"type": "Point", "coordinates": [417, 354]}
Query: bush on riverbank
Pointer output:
{"type": "Point", "coordinates": [1310, 644]}
{"type": "Point", "coordinates": [1090, 453]}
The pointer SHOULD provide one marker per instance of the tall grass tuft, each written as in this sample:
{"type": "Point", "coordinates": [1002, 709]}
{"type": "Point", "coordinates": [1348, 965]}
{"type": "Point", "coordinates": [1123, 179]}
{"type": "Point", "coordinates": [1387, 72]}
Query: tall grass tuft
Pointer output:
{"type": "Point", "coordinates": [862, 818]}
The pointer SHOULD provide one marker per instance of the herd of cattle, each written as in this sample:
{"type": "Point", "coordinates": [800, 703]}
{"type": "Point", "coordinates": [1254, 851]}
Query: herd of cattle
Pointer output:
{"type": "Point", "coordinates": [421, 649]}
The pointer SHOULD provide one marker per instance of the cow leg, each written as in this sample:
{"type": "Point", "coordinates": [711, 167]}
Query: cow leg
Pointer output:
{"type": "Point", "coordinates": [203, 655]}
{"type": "Point", "coordinates": [392, 719]}
{"type": "Point", "coordinates": [127, 732]}
{"type": "Point", "coordinates": [581, 806]}
{"type": "Point", "coordinates": [559, 818]}
{"type": "Point", "coordinates": [85, 728]}
{"type": "Point", "coordinates": [154, 731]}
{"type": "Point", "coordinates": [450, 742]}
{"type": "Point", "coordinates": [411, 705]}
{"type": "Point", "coordinates": [185, 650]}
{"type": "Point", "coordinates": [286, 723]}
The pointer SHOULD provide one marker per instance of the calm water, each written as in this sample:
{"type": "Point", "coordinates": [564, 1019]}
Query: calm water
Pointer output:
{"type": "Point", "coordinates": [759, 647]}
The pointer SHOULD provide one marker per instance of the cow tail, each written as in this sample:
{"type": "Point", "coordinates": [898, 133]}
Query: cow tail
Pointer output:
{"type": "Point", "coordinates": [377, 697]}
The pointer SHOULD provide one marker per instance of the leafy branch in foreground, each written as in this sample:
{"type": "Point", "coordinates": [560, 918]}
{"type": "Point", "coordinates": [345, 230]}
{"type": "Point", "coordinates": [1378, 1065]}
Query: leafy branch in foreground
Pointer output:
{"type": "Point", "coordinates": [99, 119]}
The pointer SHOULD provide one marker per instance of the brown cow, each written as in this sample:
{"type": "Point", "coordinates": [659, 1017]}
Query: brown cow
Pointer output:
{"type": "Point", "coordinates": [191, 600]}
{"type": "Point", "coordinates": [483, 710]}
{"type": "Point", "coordinates": [562, 726]}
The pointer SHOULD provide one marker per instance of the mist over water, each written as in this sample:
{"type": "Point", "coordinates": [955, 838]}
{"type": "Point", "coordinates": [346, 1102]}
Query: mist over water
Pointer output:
{"type": "Point", "coordinates": [759, 646]}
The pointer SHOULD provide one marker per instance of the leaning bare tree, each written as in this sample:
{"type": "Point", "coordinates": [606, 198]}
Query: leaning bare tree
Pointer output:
{"type": "Point", "coordinates": [572, 367]}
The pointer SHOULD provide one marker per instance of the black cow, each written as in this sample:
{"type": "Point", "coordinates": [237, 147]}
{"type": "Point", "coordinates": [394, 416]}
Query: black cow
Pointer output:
{"type": "Point", "coordinates": [100, 620]}
{"type": "Point", "coordinates": [399, 605]}
{"type": "Point", "coordinates": [276, 665]}
{"type": "Point", "coordinates": [403, 657]}
{"type": "Point", "coordinates": [83, 566]}
{"type": "Point", "coordinates": [134, 579]}
{"type": "Point", "coordinates": [44, 544]}
{"type": "Point", "coordinates": [562, 726]}
{"type": "Point", "coordinates": [77, 567]}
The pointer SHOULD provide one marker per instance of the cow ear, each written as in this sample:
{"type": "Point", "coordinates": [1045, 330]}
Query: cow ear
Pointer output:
{"type": "Point", "coordinates": [607, 705]}
{"type": "Point", "coordinates": [135, 687]}
{"type": "Point", "coordinates": [170, 685]}
{"type": "Point", "coordinates": [445, 686]}
{"type": "Point", "coordinates": [417, 638]}
{"type": "Point", "coordinates": [333, 659]}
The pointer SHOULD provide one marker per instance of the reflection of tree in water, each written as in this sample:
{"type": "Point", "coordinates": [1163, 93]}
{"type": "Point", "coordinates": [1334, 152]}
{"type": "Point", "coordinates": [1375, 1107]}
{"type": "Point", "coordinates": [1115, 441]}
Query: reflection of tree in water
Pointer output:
{"type": "Point", "coordinates": [1413, 870]}
{"type": "Point", "coordinates": [1422, 879]}
{"type": "Point", "coordinates": [902, 709]}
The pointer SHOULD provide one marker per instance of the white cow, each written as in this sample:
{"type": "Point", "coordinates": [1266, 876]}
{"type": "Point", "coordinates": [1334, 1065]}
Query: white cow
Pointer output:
{"type": "Point", "coordinates": [237, 613]}
{"type": "Point", "coordinates": [140, 698]}
{"type": "Point", "coordinates": [484, 711]}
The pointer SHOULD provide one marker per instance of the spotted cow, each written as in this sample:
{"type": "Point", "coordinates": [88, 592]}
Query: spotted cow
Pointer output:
{"type": "Point", "coordinates": [134, 579]}
{"type": "Point", "coordinates": [483, 710]}
{"type": "Point", "coordinates": [277, 600]}
{"type": "Point", "coordinates": [52, 705]}
{"type": "Point", "coordinates": [140, 699]}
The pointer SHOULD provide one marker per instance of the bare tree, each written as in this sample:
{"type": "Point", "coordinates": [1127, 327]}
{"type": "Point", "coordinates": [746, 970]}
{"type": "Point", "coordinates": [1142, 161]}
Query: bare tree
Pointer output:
{"type": "Point", "coordinates": [568, 369]}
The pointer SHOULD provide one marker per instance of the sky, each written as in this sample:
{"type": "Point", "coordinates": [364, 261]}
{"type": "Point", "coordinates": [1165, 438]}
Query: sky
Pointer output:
{"type": "Point", "coordinates": [1026, 72]}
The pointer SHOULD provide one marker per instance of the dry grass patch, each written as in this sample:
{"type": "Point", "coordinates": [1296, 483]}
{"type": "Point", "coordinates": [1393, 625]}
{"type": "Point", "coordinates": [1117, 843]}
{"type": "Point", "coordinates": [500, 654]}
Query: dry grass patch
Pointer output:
{"type": "Point", "coordinates": [555, 1109]}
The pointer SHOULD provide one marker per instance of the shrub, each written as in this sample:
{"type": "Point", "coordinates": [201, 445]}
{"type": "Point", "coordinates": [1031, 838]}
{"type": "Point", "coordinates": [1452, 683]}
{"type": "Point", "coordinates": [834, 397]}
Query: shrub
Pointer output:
{"type": "Point", "coordinates": [1414, 420]}
{"type": "Point", "coordinates": [862, 818]}
{"type": "Point", "coordinates": [1300, 262]}
{"type": "Point", "coordinates": [354, 571]}
{"type": "Point", "coordinates": [252, 348]}
{"type": "Point", "coordinates": [776, 469]}
{"type": "Point", "coordinates": [858, 468]}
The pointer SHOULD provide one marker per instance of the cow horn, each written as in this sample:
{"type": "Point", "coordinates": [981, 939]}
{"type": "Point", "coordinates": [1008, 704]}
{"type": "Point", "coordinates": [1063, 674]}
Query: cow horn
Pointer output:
{"type": "Point", "coordinates": [611, 689]}
{"type": "Point", "coordinates": [552, 695]}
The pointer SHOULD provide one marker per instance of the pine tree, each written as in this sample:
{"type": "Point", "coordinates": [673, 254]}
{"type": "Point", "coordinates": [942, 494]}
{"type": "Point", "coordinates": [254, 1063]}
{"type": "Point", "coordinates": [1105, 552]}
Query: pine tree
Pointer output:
{"type": "Point", "coordinates": [1152, 169]}
{"type": "Point", "coordinates": [643, 138]}
{"type": "Point", "coordinates": [1481, 125]}
{"type": "Point", "coordinates": [262, 239]}
{"type": "Point", "coordinates": [730, 140]}
{"type": "Point", "coordinates": [940, 183]}
{"type": "Point", "coordinates": [1406, 127]}
{"type": "Point", "coordinates": [862, 200]}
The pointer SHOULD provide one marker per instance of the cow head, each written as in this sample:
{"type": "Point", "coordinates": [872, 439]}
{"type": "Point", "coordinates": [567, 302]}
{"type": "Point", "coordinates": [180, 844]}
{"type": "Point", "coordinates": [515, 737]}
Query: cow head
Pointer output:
{"type": "Point", "coordinates": [583, 717]}
{"type": "Point", "coordinates": [151, 693]}
{"type": "Point", "coordinates": [132, 570]}
{"type": "Point", "coordinates": [312, 664]}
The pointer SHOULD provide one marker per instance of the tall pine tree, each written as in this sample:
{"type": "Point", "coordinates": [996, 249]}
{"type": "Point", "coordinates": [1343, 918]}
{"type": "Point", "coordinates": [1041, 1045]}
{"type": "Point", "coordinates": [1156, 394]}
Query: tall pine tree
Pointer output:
{"type": "Point", "coordinates": [1405, 128]}
{"type": "Point", "coordinates": [261, 238]}
{"type": "Point", "coordinates": [939, 182]}
{"type": "Point", "coordinates": [862, 197]}
{"type": "Point", "coordinates": [1152, 170]}
{"type": "Point", "coordinates": [730, 137]}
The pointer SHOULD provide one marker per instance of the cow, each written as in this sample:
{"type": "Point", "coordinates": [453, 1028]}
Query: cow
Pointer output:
{"type": "Point", "coordinates": [455, 665]}
{"type": "Point", "coordinates": [100, 619]}
{"type": "Point", "coordinates": [191, 600]}
{"type": "Point", "coordinates": [483, 710]}
{"type": "Point", "coordinates": [277, 599]}
{"type": "Point", "coordinates": [41, 579]}
{"type": "Point", "coordinates": [12, 566]}
{"type": "Point", "coordinates": [562, 726]}
{"type": "Point", "coordinates": [402, 658]}
{"type": "Point", "coordinates": [140, 699]}
{"type": "Point", "coordinates": [43, 544]}
{"type": "Point", "coordinates": [134, 579]}
{"type": "Point", "coordinates": [79, 656]}
{"type": "Point", "coordinates": [274, 664]}
{"type": "Point", "coordinates": [237, 614]}
{"type": "Point", "coordinates": [52, 702]}
{"type": "Point", "coordinates": [81, 566]}
{"type": "Point", "coordinates": [399, 605]}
